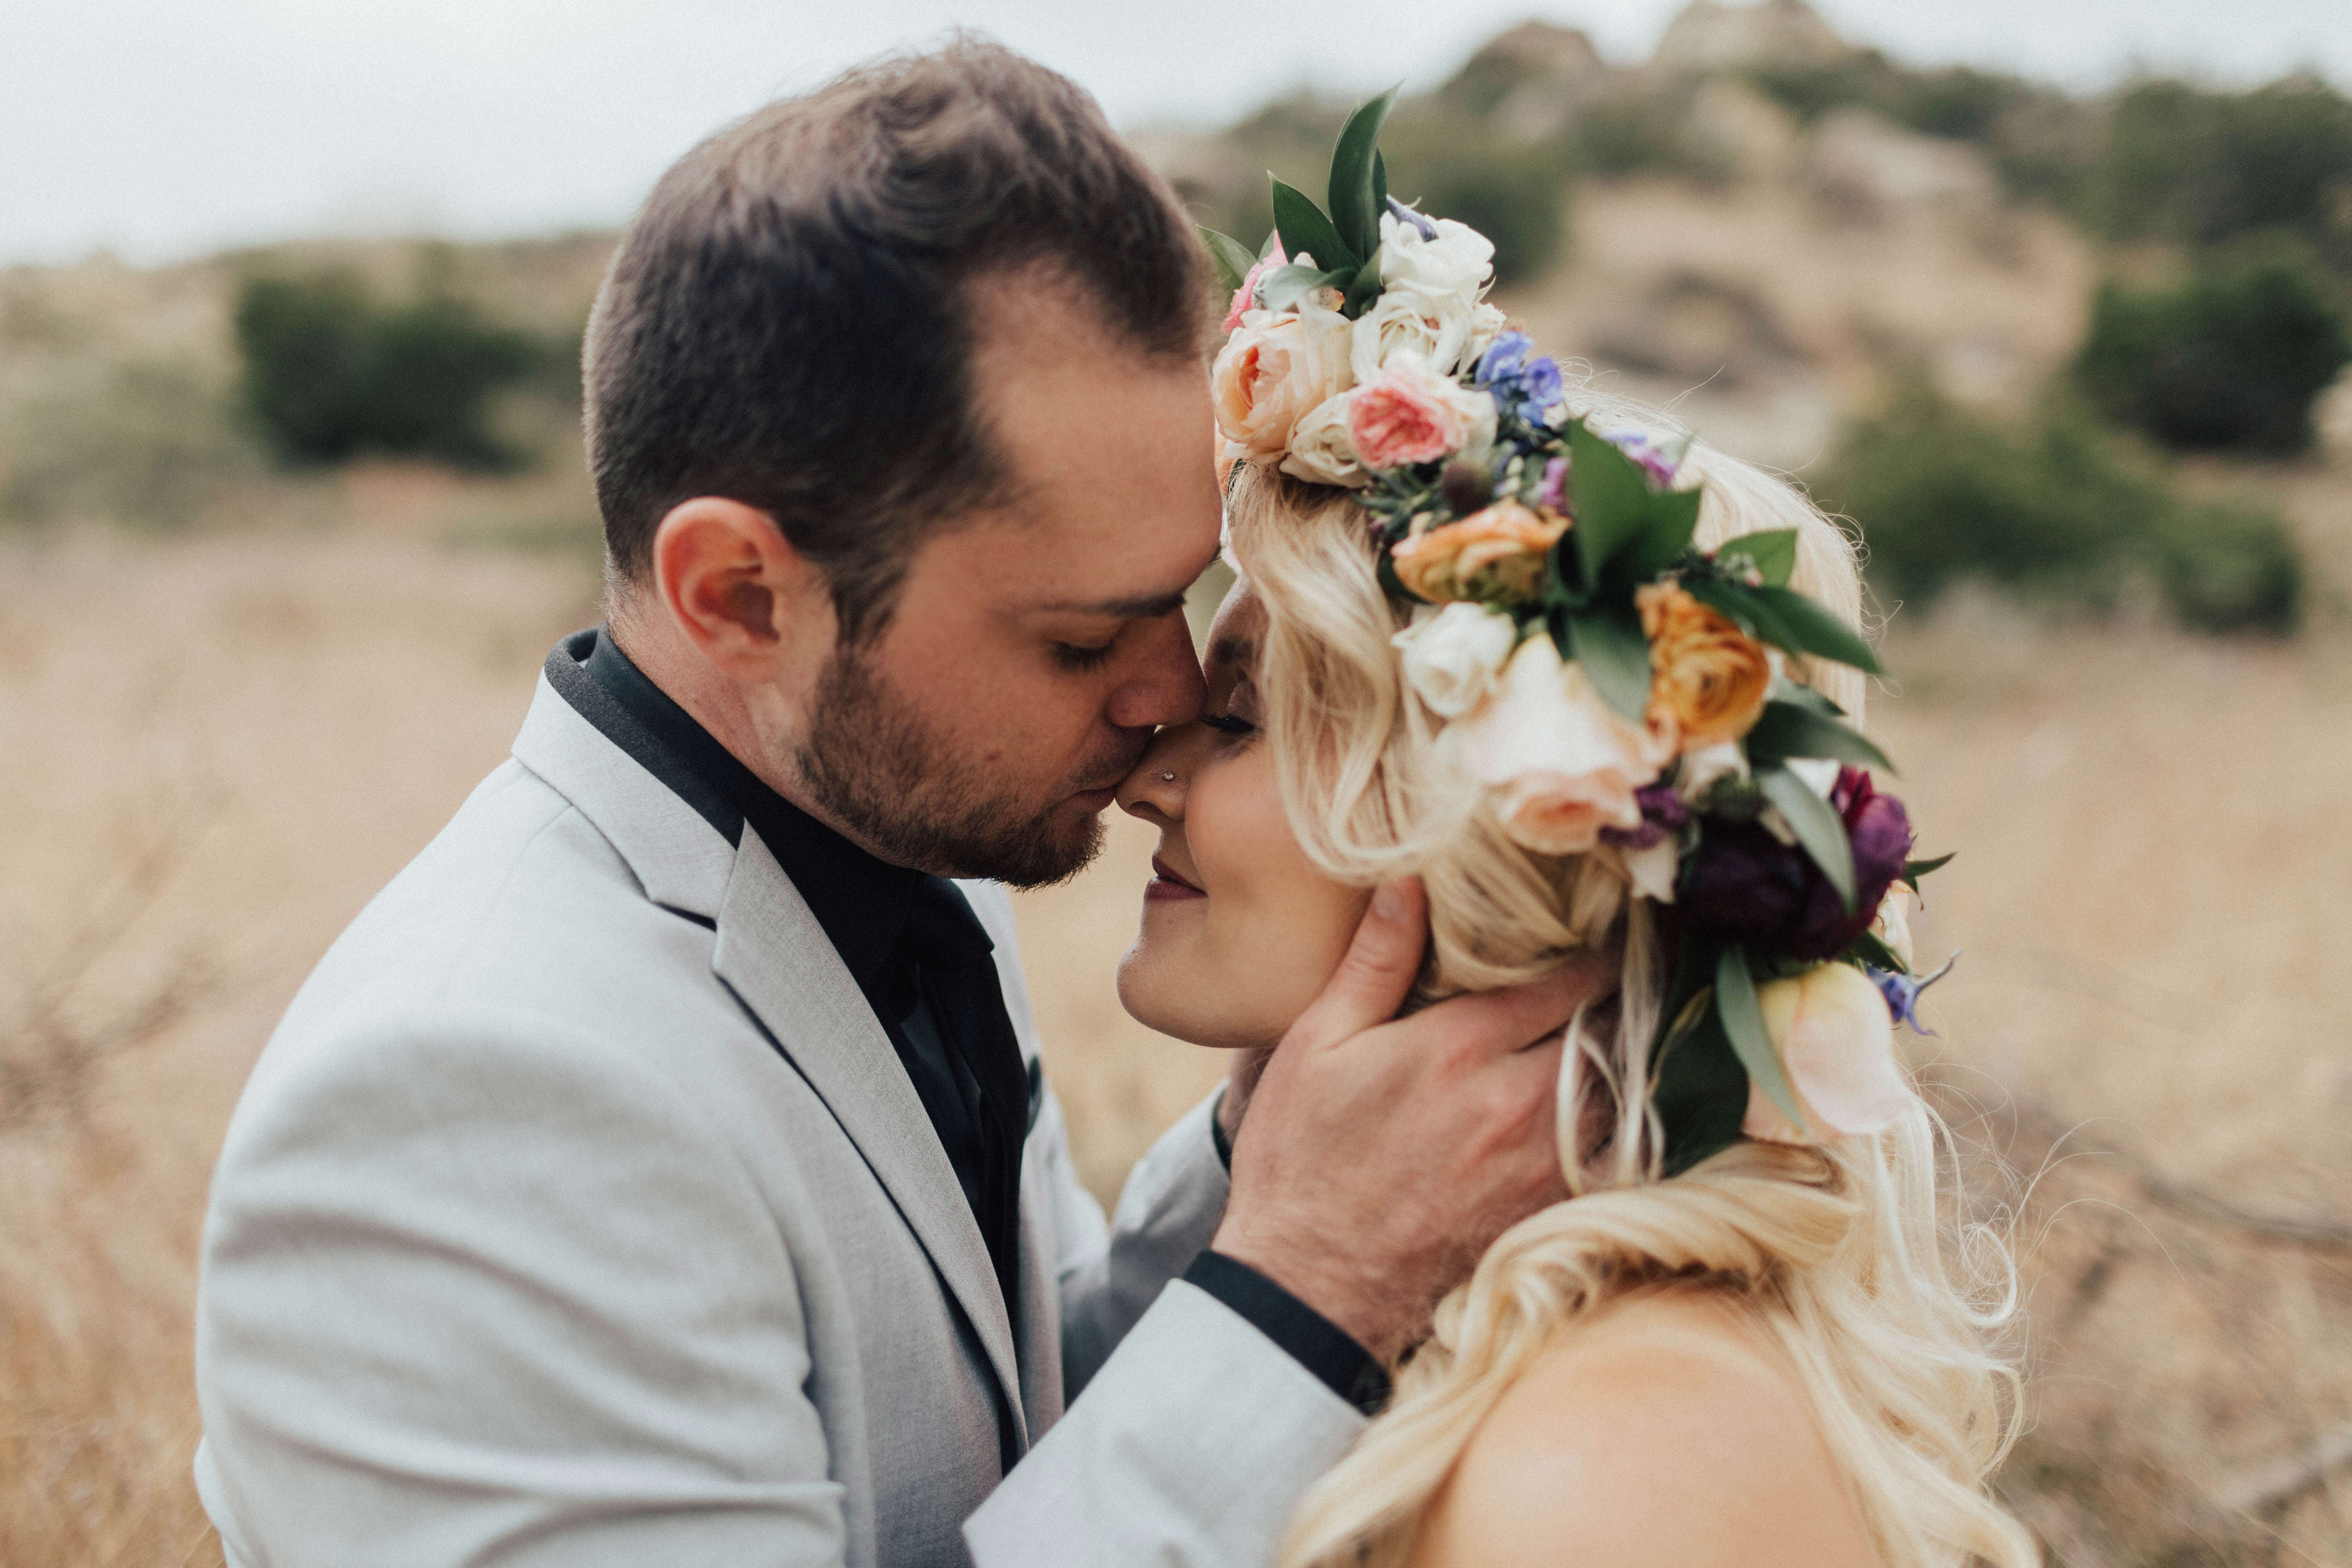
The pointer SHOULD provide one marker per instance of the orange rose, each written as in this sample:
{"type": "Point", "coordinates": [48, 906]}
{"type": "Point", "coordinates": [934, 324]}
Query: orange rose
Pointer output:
{"type": "Point", "coordinates": [1495, 556]}
{"type": "Point", "coordinates": [1706, 675]}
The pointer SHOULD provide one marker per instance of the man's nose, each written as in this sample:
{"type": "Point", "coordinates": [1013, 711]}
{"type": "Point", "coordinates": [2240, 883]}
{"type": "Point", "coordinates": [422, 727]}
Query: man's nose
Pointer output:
{"type": "Point", "coordinates": [1164, 685]}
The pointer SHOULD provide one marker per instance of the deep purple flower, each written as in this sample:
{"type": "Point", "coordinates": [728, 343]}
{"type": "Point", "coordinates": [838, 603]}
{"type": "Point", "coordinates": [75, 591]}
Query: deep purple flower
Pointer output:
{"type": "Point", "coordinates": [1663, 812]}
{"type": "Point", "coordinates": [1902, 991]}
{"type": "Point", "coordinates": [1746, 886]}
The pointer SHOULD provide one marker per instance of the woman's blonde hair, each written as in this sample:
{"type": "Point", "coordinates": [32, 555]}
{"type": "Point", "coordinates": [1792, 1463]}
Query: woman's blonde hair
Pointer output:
{"type": "Point", "coordinates": [1837, 1251]}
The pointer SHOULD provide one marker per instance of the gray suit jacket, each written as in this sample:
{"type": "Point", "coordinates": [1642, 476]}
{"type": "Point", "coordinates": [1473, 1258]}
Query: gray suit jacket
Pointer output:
{"type": "Point", "coordinates": [578, 1212]}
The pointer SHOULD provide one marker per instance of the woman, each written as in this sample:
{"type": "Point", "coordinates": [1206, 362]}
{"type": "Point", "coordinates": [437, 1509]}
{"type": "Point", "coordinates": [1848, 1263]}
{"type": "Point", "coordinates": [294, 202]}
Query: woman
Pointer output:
{"type": "Point", "coordinates": [1738, 1341]}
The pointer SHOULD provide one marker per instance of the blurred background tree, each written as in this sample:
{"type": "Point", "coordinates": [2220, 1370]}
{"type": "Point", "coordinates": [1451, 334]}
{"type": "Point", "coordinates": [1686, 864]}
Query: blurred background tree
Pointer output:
{"type": "Point", "coordinates": [329, 374]}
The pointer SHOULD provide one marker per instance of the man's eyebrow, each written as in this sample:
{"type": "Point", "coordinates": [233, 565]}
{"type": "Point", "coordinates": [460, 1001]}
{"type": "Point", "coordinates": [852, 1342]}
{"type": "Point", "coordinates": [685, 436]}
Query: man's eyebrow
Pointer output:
{"type": "Point", "coordinates": [1143, 607]}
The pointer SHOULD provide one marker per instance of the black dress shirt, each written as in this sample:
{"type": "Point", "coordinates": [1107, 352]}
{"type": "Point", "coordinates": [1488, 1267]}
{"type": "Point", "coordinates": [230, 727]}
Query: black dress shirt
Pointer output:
{"type": "Point", "coordinates": [926, 966]}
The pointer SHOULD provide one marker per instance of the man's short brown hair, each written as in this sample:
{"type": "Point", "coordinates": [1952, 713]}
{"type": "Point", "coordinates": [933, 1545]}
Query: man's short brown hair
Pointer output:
{"type": "Point", "coordinates": [787, 322]}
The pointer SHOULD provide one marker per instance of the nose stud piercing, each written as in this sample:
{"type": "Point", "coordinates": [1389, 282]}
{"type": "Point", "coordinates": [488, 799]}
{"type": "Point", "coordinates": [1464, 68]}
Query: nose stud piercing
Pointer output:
{"type": "Point", "coordinates": [1168, 778]}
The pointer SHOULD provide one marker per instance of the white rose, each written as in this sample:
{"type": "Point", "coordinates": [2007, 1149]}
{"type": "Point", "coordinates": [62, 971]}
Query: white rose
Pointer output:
{"type": "Point", "coordinates": [1452, 657]}
{"type": "Point", "coordinates": [1486, 326]}
{"type": "Point", "coordinates": [1321, 452]}
{"type": "Point", "coordinates": [1434, 326]}
{"type": "Point", "coordinates": [1459, 261]}
{"type": "Point", "coordinates": [1836, 1042]}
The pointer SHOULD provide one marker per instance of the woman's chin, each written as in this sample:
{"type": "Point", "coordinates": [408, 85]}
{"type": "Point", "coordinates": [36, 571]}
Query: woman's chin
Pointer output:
{"type": "Point", "coordinates": [1159, 996]}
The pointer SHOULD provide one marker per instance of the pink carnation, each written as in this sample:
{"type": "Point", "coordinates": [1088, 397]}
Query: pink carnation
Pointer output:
{"type": "Point", "coordinates": [1403, 415]}
{"type": "Point", "coordinates": [1245, 296]}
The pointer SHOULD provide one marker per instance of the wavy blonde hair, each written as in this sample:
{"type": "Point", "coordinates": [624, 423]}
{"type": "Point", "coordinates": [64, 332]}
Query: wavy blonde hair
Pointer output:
{"type": "Point", "coordinates": [1890, 1320]}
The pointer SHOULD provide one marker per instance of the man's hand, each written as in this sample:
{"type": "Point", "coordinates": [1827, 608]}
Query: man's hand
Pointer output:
{"type": "Point", "coordinates": [1380, 1158]}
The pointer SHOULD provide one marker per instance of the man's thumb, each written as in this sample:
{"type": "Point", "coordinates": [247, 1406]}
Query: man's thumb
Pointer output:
{"type": "Point", "coordinates": [1373, 980]}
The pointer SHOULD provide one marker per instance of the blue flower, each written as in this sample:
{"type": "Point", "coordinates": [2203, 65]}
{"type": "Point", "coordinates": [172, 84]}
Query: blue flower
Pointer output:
{"type": "Point", "coordinates": [1902, 991]}
{"type": "Point", "coordinates": [1522, 385]}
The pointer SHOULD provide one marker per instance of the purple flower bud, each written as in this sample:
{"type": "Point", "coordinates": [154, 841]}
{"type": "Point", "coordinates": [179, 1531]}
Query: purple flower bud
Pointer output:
{"type": "Point", "coordinates": [1553, 490]}
{"type": "Point", "coordinates": [1663, 812]}
{"type": "Point", "coordinates": [1404, 214]}
{"type": "Point", "coordinates": [1902, 991]}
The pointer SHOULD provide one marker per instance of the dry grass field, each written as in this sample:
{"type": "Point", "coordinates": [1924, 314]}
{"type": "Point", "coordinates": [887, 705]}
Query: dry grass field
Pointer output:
{"type": "Point", "coordinates": [219, 743]}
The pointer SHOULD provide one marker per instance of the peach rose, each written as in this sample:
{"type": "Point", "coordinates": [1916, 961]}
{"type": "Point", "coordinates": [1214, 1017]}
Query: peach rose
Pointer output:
{"type": "Point", "coordinates": [1495, 556]}
{"type": "Point", "coordinates": [1274, 371]}
{"type": "Point", "coordinates": [1836, 1040]}
{"type": "Point", "coordinates": [1559, 764]}
{"type": "Point", "coordinates": [1704, 672]}
{"type": "Point", "coordinates": [1407, 412]}
{"type": "Point", "coordinates": [1245, 296]}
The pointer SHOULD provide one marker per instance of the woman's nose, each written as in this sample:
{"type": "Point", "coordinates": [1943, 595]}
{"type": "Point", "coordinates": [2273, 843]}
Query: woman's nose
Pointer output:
{"type": "Point", "coordinates": [1155, 790]}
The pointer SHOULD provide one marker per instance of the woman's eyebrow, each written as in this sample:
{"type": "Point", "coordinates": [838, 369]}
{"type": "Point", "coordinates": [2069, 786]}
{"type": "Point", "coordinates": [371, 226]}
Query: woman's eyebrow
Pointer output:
{"type": "Point", "coordinates": [1233, 650]}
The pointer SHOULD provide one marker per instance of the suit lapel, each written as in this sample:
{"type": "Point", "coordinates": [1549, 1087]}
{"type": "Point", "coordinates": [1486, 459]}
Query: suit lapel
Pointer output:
{"type": "Point", "coordinates": [776, 958]}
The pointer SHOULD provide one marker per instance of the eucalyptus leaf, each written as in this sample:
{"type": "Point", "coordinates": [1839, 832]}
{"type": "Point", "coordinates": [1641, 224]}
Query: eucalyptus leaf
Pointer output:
{"type": "Point", "coordinates": [1673, 519]}
{"type": "Point", "coordinates": [1611, 498]}
{"type": "Point", "coordinates": [1615, 655]}
{"type": "Point", "coordinates": [1819, 631]}
{"type": "Point", "coordinates": [1816, 823]}
{"type": "Point", "coordinates": [1231, 257]}
{"type": "Point", "coordinates": [1743, 1023]}
{"type": "Point", "coordinates": [1774, 552]}
{"type": "Point", "coordinates": [1286, 286]}
{"type": "Point", "coordinates": [1303, 228]}
{"type": "Point", "coordinates": [1273, 243]}
{"type": "Point", "coordinates": [1787, 730]}
{"type": "Point", "coordinates": [1915, 870]}
{"type": "Point", "coordinates": [1355, 205]}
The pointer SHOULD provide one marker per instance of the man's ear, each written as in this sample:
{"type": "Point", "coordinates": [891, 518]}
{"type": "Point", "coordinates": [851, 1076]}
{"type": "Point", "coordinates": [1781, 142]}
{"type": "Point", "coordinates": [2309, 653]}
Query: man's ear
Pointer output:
{"type": "Point", "coordinates": [753, 605]}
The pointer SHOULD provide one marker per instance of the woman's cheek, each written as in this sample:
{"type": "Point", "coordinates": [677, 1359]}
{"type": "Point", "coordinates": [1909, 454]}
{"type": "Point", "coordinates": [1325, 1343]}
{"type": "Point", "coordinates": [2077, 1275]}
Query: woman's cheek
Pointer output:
{"type": "Point", "coordinates": [1280, 925]}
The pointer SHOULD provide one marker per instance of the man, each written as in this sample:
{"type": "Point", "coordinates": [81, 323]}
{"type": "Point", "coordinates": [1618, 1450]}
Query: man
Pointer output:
{"type": "Point", "coordinates": [659, 1171]}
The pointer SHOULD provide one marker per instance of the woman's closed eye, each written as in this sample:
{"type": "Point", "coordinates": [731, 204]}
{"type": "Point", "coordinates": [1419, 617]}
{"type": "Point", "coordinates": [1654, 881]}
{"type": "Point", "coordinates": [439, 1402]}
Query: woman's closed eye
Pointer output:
{"type": "Point", "coordinates": [1229, 723]}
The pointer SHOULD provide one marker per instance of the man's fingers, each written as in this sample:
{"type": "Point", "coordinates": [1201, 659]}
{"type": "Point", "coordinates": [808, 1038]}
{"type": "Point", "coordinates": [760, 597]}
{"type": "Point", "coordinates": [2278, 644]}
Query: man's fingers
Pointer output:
{"type": "Point", "coordinates": [1372, 982]}
{"type": "Point", "coordinates": [1493, 1023]}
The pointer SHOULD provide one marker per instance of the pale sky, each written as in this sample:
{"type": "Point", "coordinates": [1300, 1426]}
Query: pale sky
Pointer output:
{"type": "Point", "coordinates": [167, 128]}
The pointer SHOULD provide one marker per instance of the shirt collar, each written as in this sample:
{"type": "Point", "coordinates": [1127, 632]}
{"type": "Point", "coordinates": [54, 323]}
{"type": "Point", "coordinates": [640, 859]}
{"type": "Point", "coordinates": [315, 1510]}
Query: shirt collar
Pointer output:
{"type": "Point", "coordinates": [861, 902]}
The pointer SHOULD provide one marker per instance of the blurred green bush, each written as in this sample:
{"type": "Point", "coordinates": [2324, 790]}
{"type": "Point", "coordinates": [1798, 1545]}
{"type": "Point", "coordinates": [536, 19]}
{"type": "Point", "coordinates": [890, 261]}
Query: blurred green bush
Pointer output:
{"type": "Point", "coordinates": [329, 373]}
{"type": "Point", "coordinates": [2234, 357]}
{"type": "Point", "coordinates": [2189, 164]}
{"type": "Point", "coordinates": [2059, 511]}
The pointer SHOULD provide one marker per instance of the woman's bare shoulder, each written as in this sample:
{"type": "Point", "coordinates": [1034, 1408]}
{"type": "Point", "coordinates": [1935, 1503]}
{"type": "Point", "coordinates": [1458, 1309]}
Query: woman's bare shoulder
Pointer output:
{"type": "Point", "coordinates": [1670, 1430]}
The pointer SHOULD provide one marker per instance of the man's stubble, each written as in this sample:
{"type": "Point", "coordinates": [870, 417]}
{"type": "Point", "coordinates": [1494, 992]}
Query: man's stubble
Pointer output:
{"type": "Point", "coordinates": [871, 762]}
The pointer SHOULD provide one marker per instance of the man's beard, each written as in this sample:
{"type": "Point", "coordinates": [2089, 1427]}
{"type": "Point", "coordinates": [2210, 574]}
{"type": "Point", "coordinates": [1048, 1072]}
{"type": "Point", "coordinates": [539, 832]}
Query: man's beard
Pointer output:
{"type": "Point", "coordinates": [871, 764]}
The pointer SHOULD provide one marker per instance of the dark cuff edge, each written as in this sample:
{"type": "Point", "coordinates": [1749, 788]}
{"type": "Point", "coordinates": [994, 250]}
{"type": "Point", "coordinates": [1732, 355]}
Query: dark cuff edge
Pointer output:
{"type": "Point", "coordinates": [1312, 1339]}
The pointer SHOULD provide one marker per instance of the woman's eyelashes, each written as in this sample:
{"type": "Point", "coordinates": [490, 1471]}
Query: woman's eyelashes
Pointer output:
{"type": "Point", "coordinates": [1229, 723]}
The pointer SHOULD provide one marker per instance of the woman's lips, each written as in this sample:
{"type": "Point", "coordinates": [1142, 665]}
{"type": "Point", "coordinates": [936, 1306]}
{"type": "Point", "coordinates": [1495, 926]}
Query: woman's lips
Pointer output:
{"type": "Point", "coordinates": [1167, 884]}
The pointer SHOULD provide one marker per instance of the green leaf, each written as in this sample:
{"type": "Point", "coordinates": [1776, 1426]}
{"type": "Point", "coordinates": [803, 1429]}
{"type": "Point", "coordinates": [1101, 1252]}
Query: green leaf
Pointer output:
{"type": "Point", "coordinates": [1273, 243]}
{"type": "Point", "coordinates": [1303, 228]}
{"type": "Point", "coordinates": [1354, 209]}
{"type": "Point", "coordinates": [1673, 518]}
{"type": "Point", "coordinates": [1787, 730]}
{"type": "Point", "coordinates": [1774, 552]}
{"type": "Point", "coordinates": [1379, 188]}
{"type": "Point", "coordinates": [1615, 655]}
{"type": "Point", "coordinates": [1915, 870]}
{"type": "Point", "coordinates": [1743, 1022]}
{"type": "Point", "coordinates": [1739, 602]}
{"type": "Point", "coordinates": [1697, 1086]}
{"type": "Point", "coordinates": [1816, 824]}
{"type": "Point", "coordinates": [1365, 288]}
{"type": "Point", "coordinates": [1286, 286]}
{"type": "Point", "coordinates": [1231, 257]}
{"type": "Point", "coordinates": [1872, 949]}
{"type": "Point", "coordinates": [1798, 694]}
{"type": "Point", "coordinates": [1611, 498]}
{"type": "Point", "coordinates": [1817, 630]}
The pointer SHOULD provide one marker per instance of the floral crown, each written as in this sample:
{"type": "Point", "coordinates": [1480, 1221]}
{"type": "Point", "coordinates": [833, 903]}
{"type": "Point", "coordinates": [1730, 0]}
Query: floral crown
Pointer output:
{"type": "Point", "coordinates": [1619, 692]}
